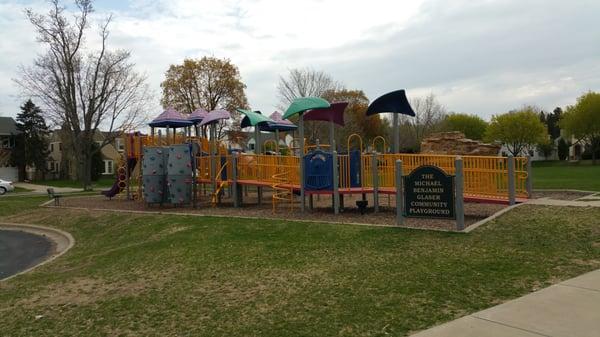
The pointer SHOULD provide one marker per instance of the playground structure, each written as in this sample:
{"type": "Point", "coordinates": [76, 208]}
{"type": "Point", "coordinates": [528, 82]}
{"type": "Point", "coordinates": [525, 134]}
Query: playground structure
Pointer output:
{"type": "Point", "coordinates": [212, 168]}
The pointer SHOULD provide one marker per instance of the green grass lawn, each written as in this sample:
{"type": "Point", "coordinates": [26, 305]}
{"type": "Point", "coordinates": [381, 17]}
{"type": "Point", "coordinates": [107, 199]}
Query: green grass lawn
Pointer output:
{"type": "Point", "coordinates": [159, 275]}
{"type": "Point", "coordinates": [103, 182]}
{"type": "Point", "coordinates": [563, 175]}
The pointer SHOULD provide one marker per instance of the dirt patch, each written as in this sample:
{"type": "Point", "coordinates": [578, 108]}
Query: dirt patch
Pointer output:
{"type": "Point", "coordinates": [321, 211]}
{"type": "Point", "coordinates": [88, 290]}
{"type": "Point", "coordinates": [82, 290]}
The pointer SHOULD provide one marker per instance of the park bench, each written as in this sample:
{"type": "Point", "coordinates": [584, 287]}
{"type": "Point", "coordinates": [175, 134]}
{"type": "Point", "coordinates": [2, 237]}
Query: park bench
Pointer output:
{"type": "Point", "coordinates": [54, 196]}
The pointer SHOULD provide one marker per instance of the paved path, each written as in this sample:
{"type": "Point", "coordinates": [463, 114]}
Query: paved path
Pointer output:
{"type": "Point", "coordinates": [20, 250]}
{"type": "Point", "coordinates": [42, 189]}
{"type": "Point", "coordinates": [576, 203]}
{"type": "Point", "coordinates": [568, 309]}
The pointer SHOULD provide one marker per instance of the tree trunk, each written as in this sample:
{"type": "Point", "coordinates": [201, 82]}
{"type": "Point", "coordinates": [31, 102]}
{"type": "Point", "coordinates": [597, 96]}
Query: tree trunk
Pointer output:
{"type": "Point", "coordinates": [87, 181]}
{"type": "Point", "coordinates": [84, 162]}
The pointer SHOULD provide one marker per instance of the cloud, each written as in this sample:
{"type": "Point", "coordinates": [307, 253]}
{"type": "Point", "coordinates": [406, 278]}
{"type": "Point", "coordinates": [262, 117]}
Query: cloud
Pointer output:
{"type": "Point", "coordinates": [481, 57]}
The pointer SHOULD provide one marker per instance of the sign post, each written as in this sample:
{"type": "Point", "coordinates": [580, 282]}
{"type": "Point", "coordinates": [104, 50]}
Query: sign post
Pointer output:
{"type": "Point", "coordinates": [399, 195]}
{"type": "Point", "coordinates": [459, 186]}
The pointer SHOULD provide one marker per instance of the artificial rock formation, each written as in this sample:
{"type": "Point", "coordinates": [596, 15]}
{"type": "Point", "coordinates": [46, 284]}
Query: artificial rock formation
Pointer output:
{"type": "Point", "coordinates": [456, 143]}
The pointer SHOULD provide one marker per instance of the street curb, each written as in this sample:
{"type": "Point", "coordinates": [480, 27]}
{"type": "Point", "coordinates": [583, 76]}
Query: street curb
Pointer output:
{"type": "Point", "coordinates": [62, 240]}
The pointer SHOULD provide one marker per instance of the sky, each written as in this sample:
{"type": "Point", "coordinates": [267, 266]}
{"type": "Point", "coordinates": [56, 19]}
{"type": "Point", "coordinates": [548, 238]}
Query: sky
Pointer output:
{"type": "Point", "coordinates": [478, 57]}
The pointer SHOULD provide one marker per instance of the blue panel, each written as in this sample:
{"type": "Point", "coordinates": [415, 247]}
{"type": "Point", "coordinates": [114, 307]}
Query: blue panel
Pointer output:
{"type": "Point", "coordinates": [224, 172]}
{"type": "Point", "coordinates": [355, 169]}
{"type": "Point", "coordinates": [318, 170]}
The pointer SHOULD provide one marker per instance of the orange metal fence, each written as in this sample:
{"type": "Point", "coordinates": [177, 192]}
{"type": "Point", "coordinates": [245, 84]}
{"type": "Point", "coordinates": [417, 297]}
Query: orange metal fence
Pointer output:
{"type": "Point", "coordinates": [135, 143]}
{"type": "Point", "coordinates": [485, 177]}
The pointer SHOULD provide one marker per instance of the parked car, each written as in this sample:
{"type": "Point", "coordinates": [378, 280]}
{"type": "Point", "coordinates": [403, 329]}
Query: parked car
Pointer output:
{"type": "Point", "coordinates": [6, 186]}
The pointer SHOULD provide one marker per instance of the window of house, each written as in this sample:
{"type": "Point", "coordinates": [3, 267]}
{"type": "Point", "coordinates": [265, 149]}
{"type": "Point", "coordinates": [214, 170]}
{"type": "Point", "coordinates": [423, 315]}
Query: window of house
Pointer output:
{"type": "Point", "coordinates": [120, 145]}
{"type": "Point", "coordinates": [108, 167]}
{"type": "Point", "coordinates": [51, 166]}
{"type": "Point", "coordinates": [51, 147]}
{"type": "Point", "coordinates": [59, 146]}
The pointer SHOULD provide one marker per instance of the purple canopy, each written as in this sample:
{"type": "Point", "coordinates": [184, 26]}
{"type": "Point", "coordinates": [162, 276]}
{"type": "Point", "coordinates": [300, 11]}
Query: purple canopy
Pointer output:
{"type": "Point", "coordinates": [215, 116]}
{"type": "Point", "coordinates": [335, 113]}
{"type": "Point", "coordinates": [278, 118]}
{"type": "Point", "coordinates": [278, 124]}
{"type": "Point", "coordinates": [198, 115]}
{"type": "Point", "coordinates": [170, 118]}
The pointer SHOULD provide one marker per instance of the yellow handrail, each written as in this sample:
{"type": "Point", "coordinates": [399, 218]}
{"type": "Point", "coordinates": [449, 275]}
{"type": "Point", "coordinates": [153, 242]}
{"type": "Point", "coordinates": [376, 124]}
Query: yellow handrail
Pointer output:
{"type": "Point", "coordinates": [360, 141]}
{"type": "Point", "coordinates": [269, 141]}
{"type": "Point", "coordinates": [384, 145]}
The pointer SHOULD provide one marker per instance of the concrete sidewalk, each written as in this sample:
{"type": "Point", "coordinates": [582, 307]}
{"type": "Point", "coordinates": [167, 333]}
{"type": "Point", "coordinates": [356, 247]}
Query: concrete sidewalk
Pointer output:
{"type": "Point", "coordinates": [570, 308]}
{"type": "Point", "coordinates": [591, 202]}
{"type": "Point", "coordinates": [42, 189]}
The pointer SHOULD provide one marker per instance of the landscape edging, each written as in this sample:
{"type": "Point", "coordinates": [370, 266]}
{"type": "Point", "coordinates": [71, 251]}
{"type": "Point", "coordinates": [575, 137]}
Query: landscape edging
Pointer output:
{"type": "Point", "coordinates": [62, 240]}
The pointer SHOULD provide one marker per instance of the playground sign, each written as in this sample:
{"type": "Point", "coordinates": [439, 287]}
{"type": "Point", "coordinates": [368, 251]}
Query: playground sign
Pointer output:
{"type": "Point", "coordinates": [429, 193]}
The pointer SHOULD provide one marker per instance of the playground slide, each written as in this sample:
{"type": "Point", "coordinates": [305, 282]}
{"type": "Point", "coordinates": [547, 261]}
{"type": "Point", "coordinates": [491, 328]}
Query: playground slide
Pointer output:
{"type": "Point", "coordinates": [121, 180]}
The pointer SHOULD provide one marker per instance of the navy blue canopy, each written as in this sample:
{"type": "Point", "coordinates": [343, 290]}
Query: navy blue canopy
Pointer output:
{"type": "Point", "coordinates": [394, 102]}
{"type": "Point", "coordinates": [170, 118]}
{"type": "Point", "coordinates": [275, 126]}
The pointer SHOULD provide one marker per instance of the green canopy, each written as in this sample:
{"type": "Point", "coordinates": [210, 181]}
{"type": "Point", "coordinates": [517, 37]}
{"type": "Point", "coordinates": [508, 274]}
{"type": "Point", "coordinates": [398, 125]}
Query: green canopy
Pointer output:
{"type": "Point", "coordinates": [253, 117]}
{"type": "Point", "coordinates": [305, 103]}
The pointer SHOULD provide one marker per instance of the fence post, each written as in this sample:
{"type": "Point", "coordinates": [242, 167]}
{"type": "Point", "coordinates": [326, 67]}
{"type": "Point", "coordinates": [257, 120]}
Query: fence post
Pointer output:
{"type": "Point", "coordinates": [396, 132]}
{"type": "Point", "coordinates": [213, 158]}
{"type": "Point", "coordinates": [459, 182]}
{"type": "Point", "coordinates": [234, 173]}
{"type": "Point", "coordinates": [194, 175]}
{"type": "Point", "coordinates": [259, 167]}
{"type": "Point", "coordinates": [375, 177]}
{"type": "Point", "coordinates": [399, 194]}
{"type": "Point", "coordinates": [511, 180]}
{"type": "Point", "coordinates": [529, 177]}
{"type": "Point", "coordinates": [336, 191]}
{"type": "Point", "coordinates": [301, 166]}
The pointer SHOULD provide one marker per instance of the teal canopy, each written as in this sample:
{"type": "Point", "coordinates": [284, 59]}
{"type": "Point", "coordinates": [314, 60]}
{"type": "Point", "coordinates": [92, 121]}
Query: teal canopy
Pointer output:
{"type": "Point", "coordinates": [305, 103]}
{"type": "Point", "coordinates": [253, 118]}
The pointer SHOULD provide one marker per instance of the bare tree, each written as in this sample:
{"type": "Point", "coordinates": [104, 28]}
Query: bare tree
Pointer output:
{"type": "Point", "coordinates": [83, 91]}
{"type": "Point", "coordinates": [307, 83]}
{"type": "Point", "coordinates": [429, 114]}
{"type": "Point", "coordinates": [304, 83]}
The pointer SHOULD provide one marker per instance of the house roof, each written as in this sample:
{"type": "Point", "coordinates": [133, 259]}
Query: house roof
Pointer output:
{"type": "Point", "coordinates": [8, 126]}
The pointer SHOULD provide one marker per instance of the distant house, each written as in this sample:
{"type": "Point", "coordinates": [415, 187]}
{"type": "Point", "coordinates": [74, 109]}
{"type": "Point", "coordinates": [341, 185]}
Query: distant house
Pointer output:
{"type": "Point", "coordinates": [532, 152]}
{"type": "Point", "coordinates": [8, 133]}
{"type": "Point", "coordinates": [61, 162]}
{"type": "Point", "coordinates": [245, 141]}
